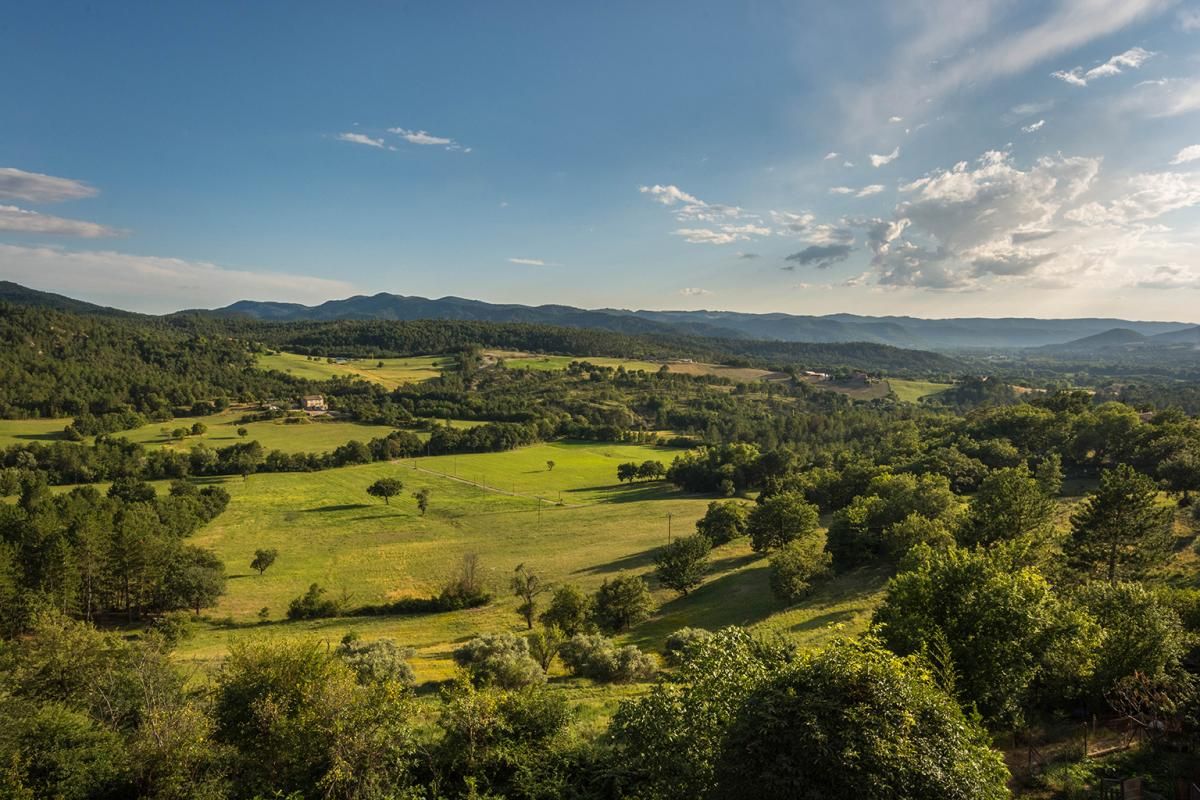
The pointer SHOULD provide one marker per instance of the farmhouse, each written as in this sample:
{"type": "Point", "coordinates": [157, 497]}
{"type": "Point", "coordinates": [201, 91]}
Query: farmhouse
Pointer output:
{"type": "Point", "coordinates": [313, 402]}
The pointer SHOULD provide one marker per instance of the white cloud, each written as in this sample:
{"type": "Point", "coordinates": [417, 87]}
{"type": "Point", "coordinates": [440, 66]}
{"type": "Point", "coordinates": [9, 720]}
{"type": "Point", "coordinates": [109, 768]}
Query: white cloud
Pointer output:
{"type": "Point", "coordinates": [1169, 276]}
{"type": "Point", "coordinates": [359, 138]}
{"type": "Point", "coordinates": [155, 284]}
{"type": "Point", "coordinates": [34, 187]}
{"type": "Point", "coordinates": [1148, 195]}
{"type": "Point", "coordinates": [895, 119]}
{"type": "Point", "coordinates": [867, 191]}
{"type": "Point", "coordinates": [1189, 153]}
{"type": "Point", "coordinates": [1166, 98]}
{"type": "Point", "coordinates": [1130, 59]}
{"type": "Point", "coordinates": [528, 262]}
{"type": "Point", "coordinates": [1029, 109]}
{"type": "Point", "coordinates": [693, 291]}
{"type": "Point", "coordinates": [830, 156]}
{"type": "Point", "coordinates": [1189, 19]}
{"type": "Point", "coordinates": [847, 163]}
{"type": "Point", "coordinates": [20, 220]}
{"type": "Point", "coordinates": [948, 45]}
{"type": "Point", "coordinates": [879, 161]}
{"type": "Point", "coordinates": [1033, 127]}
{"type": "Point", "coordinates": [840, 190]}
{"type": "Point", "coordinates": [669, 195]}
{"type": "Point", "coordinates": [708, 236]}
{"type": "Point", "coordinates": [427, 138]}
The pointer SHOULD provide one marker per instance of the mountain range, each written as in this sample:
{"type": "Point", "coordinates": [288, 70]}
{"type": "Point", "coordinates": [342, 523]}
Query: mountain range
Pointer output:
{"type": "Point", "coordinates": [900, 331]}
{"type": "Point", "coordinates": [1079, 336]}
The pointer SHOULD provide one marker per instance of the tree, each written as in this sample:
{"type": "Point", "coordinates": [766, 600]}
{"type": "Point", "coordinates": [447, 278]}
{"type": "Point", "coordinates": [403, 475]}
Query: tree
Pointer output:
{"type": "Point", "coordinates": [263, 559]}
{"type": "Point", "coordinates": [243, 433]}
{"type": "Point", "coordinates": [1120, 530]}
{"type": "Point", "coordinates": [683, 563]}
{"type": "Point", "coordinates": [422, 497]}
{"type": "Point", "coordinates": [527, 586]}
{"type": "Point", "coordinates": [779, 519]}
{"type": "Point", "coordinates": [1010, 504]}
{"type": "Point", "coordinates": [668, 740]}
{"type": "Point", "coordinates": [194, 579]}
{"type": "Point", "coordinates": [1049, 474]}
{"type": "Point", "coordinates": [724, 521]}
{"type": "Point", "coordinates": [622, 602]}
{"type": "Point", "coordinates": [199, 429]}
{"type": "Point", "coordinates": [627, 472]}
{"type": "Point", "coordinates": [651, 470]}
{"type": "Point", "coordinates": [796, 565]}
{"type": "Point", "coordinates": [999, 620]}
{"type": "Point", "coordinates": [544, 644]}
{"type": "Point", "coordinates": [1181, 472]}
{"type": "Point", "coordinates": [549, 465]}
{"type": "Point", "coordinates": [313, 604]}
{"type": "Point", "coordinates": [829, 726]}
{"type": "Point", "coordinates": [387, 488]}
{"type": "Point", "coordinates": [570, 610]}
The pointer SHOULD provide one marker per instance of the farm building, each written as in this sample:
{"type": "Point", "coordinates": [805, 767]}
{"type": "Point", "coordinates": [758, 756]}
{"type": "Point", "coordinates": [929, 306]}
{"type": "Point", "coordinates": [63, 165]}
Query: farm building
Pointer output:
{"type": "Point", "coordinates": [313, 402]}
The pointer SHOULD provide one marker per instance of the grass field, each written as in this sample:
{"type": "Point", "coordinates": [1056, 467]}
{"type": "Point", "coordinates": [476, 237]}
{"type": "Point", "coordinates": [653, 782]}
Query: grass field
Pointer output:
{"type": "Point", "coordinates": [517, 360]}
{"type": "Point", "coordinates": [25, 431]}
{"type": "Point", "coordinates": [394, 372]}
{"type": "Point", "coordinates": [327, 530]}
{"type": "Point", "coordinates": [313, 437]}
{"type": "Point", "coordinates": [913, 391]}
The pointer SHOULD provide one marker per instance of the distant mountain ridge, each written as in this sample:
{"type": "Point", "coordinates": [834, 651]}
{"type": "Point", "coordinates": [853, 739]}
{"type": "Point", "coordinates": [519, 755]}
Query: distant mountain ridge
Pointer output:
{"type": "Point", "coordinates": [1128, 341]}
{"type": "Point", "coordinates": [899, 331]}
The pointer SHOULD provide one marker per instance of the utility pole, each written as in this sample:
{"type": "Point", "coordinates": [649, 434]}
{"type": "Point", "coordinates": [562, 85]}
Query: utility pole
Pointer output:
{"type": "Point", "coordinates": [668, 527]}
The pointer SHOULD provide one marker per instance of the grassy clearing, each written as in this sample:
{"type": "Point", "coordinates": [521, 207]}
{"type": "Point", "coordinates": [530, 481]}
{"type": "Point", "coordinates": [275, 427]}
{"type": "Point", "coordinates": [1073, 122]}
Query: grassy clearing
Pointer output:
{"type": "Point", "coordinates": [394, 372]}
{"type": "Point", "coordinates": [518, 360]}
{"type": "Point", "coordinates": [327, 530]}
{"type": "Point", "coordinates": [913, 391]}
{"type": "Point", "coordinates": [26, 431]}
{"type": "Point", "coordinates": [312, 437]}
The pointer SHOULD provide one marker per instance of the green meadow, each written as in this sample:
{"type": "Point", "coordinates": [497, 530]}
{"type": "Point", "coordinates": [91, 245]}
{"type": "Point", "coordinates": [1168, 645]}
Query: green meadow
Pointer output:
{"type": "Point", "coordinates": [388, 372]}
{"type": "Point", "coordinates": [538, 361]}
{"type": "Point", "coordinates": [913, 391]}
{"type": "Point", "coordinates": [504, 507]}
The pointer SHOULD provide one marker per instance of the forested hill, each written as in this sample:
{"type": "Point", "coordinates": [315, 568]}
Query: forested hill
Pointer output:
{"type": "Point", "coordinates": [901, 331]}
{"type": "Point", "coordinates": [57, 362]}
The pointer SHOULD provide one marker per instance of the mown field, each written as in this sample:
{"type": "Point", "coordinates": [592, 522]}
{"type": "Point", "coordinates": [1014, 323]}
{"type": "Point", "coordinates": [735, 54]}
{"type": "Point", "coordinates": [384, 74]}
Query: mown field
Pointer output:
{"type": "Point", "coordinates": [329, 531]}
{"type": "Point", "coordinates": [394, 372]}
{"type": "Point", "coordinates": [912, 391]}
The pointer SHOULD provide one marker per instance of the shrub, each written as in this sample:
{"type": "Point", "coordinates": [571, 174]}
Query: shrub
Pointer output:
{"type": "Point", "coordinates": [596, 657]}
{"type": "Point", "coordinates": [466, 588]}
{"type": "Point", "coordinates": [622, 602]}
{"type": "Point", "coordinates": [796, 565]}
{"type": "Point", "coordinates": [499, 659]}
{"type": "Point", "coordinates": [313, 605]}
{"type": "Point", "coordinates": [724, 521]}
{"type": "Point", "coordinates": [570, 610]}
{"type": "Point", "coordinates": [682, 640]}
{"type": "Point", "coordinates": [380, 661]}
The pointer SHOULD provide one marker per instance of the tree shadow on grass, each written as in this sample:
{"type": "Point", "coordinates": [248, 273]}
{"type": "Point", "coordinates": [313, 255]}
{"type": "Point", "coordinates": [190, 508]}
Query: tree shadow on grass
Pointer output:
{"type": "Point", "coordinates": [621, 493]}
{"type": "Point", "coordinates": [736, 598]}
{"type": "Point", "coordinates": [53, 436]}
{"type": "Point", "coordinates": [339, 507]}
{"type": "Point", "coordinates": [633, 561]}
{"type": "Point", "coordinates": [825, 620]}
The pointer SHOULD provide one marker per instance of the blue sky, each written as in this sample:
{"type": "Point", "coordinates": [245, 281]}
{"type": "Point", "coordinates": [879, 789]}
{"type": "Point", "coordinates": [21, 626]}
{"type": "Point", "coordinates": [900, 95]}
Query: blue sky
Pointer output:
{"type": "Point", "coordinates": [931, 158]}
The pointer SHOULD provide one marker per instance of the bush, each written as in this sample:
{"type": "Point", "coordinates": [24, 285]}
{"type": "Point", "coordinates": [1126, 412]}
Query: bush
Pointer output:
{"type": "Point", "coordinates": [466, 588]}
{"type": "Point", "coordinates": [682, 640]}
{"type": "Point", "coordinates": [380, 661]}
{"type": "Point", "coordinates": [596, 657]}
{"type": "Point", "coordinates": [796, 565]}
{"type": "Point", "coordinates": [499, 659]}
{"type": "Point", "coordinates": [313, 605]}
{"type": "Point", "coordinates": [570, 610]}
{"type": "Point", "coordinates": [724, 521]}
{"type": "Point", "coordinates": [622, 602]}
